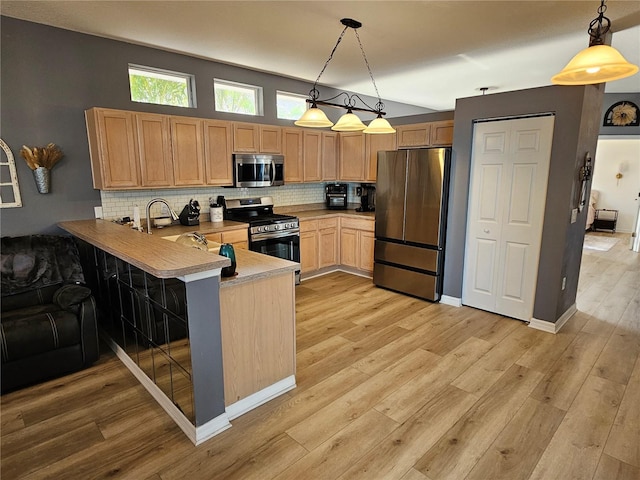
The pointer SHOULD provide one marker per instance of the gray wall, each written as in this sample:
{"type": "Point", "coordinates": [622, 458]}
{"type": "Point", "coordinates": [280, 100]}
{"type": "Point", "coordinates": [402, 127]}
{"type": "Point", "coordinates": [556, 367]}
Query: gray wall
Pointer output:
{"type": "Point", "coordinates": [50, 76]}
{"type": "Point", "coordinates": [577, 111]}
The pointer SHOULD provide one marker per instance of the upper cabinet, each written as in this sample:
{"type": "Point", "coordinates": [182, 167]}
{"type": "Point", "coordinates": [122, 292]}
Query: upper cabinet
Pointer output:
{"type": "Point", "coordinates": [425, 134]}
{"type": "Point", "coordinates": [218, 167]}
{"type": "Point", "coordinates": [187, 148]}
{"type": "Point", "coordinates": [256, 138]}
{"type": "Point", "coordinates": [312, 155]}
{"type": "Point", "coordinates": [352, 156]}
{"type": "Point", "coordinates": [154, 150]}
{"type": "Point", "coordinates": [293, 155]}
{"type": "Point", "coordinates": [374, 144]}
{"type": "Point", "coordinates": [112, 146]}
{"type": "Point", "coordinates": [330, 155]}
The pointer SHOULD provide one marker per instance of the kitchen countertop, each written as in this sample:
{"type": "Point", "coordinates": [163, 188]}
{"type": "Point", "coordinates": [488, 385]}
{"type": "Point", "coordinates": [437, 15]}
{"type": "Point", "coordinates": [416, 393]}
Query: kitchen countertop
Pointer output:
{"type": "Point", "coordinates": [166, 259]}
{"type": "Point", "coordinates": [203, 227]}
{"type": "Point", "coordinates": [318, 210]}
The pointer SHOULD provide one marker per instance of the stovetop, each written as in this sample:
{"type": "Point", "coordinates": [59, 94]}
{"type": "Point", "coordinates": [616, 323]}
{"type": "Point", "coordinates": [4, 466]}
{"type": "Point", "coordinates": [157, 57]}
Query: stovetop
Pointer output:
{"type": "Point", "coordinates": [258, 213]}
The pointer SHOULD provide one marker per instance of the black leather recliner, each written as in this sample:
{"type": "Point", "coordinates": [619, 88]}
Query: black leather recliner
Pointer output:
{"type": "Point", "coordinates": [49, 319]}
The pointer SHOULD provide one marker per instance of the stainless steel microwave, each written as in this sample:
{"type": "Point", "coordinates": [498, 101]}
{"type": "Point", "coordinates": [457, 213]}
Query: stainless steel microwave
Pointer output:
{"type": "Point", "coordinates": [250, 170]}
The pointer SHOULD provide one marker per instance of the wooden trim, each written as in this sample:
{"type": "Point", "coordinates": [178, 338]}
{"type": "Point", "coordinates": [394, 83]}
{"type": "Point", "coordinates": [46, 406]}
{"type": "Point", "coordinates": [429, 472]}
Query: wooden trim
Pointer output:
{"type": "Point", "coordinates": [550, 327]}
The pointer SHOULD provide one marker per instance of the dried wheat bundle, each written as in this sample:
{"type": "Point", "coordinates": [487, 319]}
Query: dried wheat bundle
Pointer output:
{"type": "Point", "coordinates": [41, 156]}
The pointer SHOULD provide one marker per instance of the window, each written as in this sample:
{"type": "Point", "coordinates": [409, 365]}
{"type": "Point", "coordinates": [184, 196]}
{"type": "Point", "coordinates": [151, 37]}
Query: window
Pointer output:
{"type": "Point", "coordinates": [291, 106]}
{"type": "Point", "coordinates": [235, 97]}
{"type": "Point", "coordinates": [152, 85]}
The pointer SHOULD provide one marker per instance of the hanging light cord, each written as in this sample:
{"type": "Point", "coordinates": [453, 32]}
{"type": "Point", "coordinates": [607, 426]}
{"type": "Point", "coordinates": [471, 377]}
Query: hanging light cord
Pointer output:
{"type": "Point", "coordinates": [379, 105]}
{"type": "Point", "coordinates": [598, 28]}
{"type": "Point", "coordinates": [314, 94]}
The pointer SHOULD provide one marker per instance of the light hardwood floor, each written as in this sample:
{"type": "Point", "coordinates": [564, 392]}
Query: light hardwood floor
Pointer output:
{"type": "Point", "coordinates": [389, 387]}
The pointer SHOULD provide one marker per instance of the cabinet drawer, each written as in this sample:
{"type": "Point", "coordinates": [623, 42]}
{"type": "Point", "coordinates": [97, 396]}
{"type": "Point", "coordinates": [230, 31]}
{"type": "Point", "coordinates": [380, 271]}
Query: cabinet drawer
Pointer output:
{"type": "Point", "coordinates": [308, 226]}
{"type": "Point", "coordinates": [214, 237]}
{"type": "Point", "coordinates": [235, 236]}
{"type": "Point", "coordinates": [358, 224]}
{"type": "Point", "coordinates": [328, 223]}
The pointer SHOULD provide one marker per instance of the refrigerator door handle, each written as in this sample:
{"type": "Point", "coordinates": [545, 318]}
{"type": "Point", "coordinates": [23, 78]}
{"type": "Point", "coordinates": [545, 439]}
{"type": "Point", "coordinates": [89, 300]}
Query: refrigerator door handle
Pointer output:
{"type": "Point", "coordinates": [404, 210]}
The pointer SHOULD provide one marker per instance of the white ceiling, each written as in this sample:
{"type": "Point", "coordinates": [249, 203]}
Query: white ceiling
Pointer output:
{"type": "Point", "coordinates": [425, 53]}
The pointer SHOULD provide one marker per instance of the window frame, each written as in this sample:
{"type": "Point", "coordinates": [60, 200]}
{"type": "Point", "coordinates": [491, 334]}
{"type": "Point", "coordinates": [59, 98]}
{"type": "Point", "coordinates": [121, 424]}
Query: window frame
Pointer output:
{"type": "Point", "coordinates": [258, 96]}
{"type": "Point", "coordinates": [188, 77]}
{"type": "Point", "coordinates": [301, 96]}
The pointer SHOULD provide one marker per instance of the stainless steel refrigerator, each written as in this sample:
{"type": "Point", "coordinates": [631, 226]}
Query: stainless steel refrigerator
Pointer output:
{"type": "Point", "coordinates": [411, 214]}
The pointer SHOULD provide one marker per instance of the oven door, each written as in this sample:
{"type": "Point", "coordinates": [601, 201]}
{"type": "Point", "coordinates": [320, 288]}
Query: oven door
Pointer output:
{"type": "Point", "coordinates": [284, 245]}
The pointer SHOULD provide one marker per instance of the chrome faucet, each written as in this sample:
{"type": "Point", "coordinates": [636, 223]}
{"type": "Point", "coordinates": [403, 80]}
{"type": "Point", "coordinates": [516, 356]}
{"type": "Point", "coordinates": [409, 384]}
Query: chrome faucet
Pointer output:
{"type": "Point", "coordinates": [174, 215]}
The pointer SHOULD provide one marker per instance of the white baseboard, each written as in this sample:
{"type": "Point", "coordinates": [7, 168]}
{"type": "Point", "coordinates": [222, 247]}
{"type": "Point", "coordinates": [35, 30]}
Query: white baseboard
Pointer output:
{"type": "Point", "coordinates": [551, 327]}
{"type": "Point", "coordinates": [196, 435]}
{"type": "Point", "coordinates": [336, 268]}
{"type": "Point", "coordinates": [453, 301]}
{"type": "Point", "coordinates": [263, 396]}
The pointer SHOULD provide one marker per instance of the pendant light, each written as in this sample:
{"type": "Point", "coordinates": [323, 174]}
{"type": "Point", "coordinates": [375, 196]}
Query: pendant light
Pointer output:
{"type": "Point", "coordinates": [349, 122]}
{"type": "Point", "coordinates": [597, 63]}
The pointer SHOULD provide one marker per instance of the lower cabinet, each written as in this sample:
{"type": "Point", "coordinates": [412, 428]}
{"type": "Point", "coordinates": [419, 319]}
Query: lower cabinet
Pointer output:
{"type": "Point", "coordinates": [237, 238]}
{"type": "Point", "coordinates": [356, 243]}
{"type": "Point", "coordinates": [336, 241]}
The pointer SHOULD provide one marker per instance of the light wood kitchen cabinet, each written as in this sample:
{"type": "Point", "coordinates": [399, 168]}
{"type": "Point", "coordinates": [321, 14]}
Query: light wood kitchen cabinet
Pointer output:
{"type": "Point", "coordinates": [318, 244]}
{"type": "Point", "coordinates": [293, 155]}
{"type": "Point", "coordinates": [218, 148]}
{"type": "Point", "coordinates": [425, 134]}
{"type": "Point", "coordinates": [375, 144]}
{"type": "Point", "coordinates": [442, 133]}
{"type": "Point", "coordinates": [153, 144]}
{"type": "Point", "coordinates": [187, 151]}
{"type": "Point", "coordinates": [112, 147]}
{"type": "Point", "coordinates": [270, 139]}
{"type": "Point", "coordinates": [357, 243]}
{"type": "Point", "coordinates": [328, 242]}
{"type": "Point", "coordinates": [352, 156]}
{"type": "Point", "coordinates": [246, 137]}
{"type": "Point", "coordinates": [312, 156]}
{"type": "Point", "coordinates": [329, 156]}
{"type": "Point", "coordinates": [308, 245]}
{"type": "Point", "coordinates": [237, 238]}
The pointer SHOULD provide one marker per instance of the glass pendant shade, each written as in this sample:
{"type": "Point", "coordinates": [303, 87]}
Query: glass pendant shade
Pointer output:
{"type": "Point", "coordinates": [315, 118]}
{"type": "Point", "coordinates": [596, 64]}
{"type": "Point", "coordinates": [379, 126]}
{"type": "Point", "coordinates": [349, 122]}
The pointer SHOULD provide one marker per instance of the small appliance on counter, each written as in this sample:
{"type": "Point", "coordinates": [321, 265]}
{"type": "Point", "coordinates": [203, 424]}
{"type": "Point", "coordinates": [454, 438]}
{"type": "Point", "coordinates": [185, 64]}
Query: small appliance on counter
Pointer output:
{"type": "Point", "coordinates": [336, 196]}
{"type": "Point", "coordinates": [367, 194]}
{"type": "Point", "coordinates": [190, 214]}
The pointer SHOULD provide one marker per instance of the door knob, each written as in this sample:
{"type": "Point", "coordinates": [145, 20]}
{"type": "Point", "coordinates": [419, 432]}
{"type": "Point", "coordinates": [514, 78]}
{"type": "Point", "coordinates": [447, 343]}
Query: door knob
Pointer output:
{"type": "Point", "coordinates": [486, 230]}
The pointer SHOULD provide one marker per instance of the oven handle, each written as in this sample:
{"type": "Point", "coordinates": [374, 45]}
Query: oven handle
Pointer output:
{"type": "Point", "coordinates": [269, 235]}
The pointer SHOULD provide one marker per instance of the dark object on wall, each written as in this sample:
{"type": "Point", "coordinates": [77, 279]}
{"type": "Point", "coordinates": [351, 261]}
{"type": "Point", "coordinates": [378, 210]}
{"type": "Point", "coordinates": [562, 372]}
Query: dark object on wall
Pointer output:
{"type": "Point", "coordinates": [622, 114]}
{"type": "Point", "coordinates": [190, 214]}
{"type": "Point", "coordinates": [49, 324]}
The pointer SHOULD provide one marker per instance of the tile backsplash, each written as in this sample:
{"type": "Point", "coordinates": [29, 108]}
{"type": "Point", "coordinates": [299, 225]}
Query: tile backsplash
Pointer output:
{"type": "Point", "coordinates": [118, 204]}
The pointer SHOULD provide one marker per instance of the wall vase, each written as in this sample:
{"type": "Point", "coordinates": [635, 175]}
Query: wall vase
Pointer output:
{"type": "Point", "coordinates": [42, 176]}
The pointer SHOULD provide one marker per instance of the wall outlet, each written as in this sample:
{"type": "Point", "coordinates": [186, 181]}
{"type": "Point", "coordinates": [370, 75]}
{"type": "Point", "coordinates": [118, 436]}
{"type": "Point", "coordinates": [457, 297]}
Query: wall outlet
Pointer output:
{"type": "Point", "coordinates": [574, 215]}
{"type": "Point", "coordinates": [564, 282]}
{"type": "Point", "coordinates": [98, 211]}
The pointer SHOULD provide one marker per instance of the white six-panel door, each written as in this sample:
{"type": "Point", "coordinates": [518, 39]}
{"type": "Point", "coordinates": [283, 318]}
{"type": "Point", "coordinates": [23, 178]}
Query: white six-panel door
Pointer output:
{"type": "Point", "coordinates": [508, 187]}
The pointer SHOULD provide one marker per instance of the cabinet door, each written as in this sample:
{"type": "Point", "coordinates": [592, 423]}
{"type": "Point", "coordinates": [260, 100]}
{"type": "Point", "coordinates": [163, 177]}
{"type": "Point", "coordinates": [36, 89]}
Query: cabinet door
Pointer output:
{"type": "Point", "coordinates": [417, 135]}
{"type": "Point", "coordinates": [329, 156]}
{"type": "Point", "coordinates": [217, 152]}
{"type": "Point", "coordinates": [246, 137]}
{"type": "Point", "coordinates": [442, 133]}
{"type": "Point", "coordinates": [188, 151]}
{"type": "Point", "coordinates": [375, 144]}
{"type": "Point", "coordinates": [349, 247]}
{"type": "Point", "coordinates": [154, 150]}
{"type": "Point", "coordinates": [312, 156]}
{"type": "Point", "coordinates": [352, 156]}
{"type": "Point", "coordinates": [308, 251]}
{"type": "Point", "coordinates": [270, 139]}
{"type": "Point", "coordinates": [112, 147]}
{"type": "Point", "coordinates": [292, 150]}
{"type": "Point", "coordinates": [366, 241]}
{"type": "Point", "coordinates": [237, 238]}
{"type": "Point", "coordinates": [327, 247]}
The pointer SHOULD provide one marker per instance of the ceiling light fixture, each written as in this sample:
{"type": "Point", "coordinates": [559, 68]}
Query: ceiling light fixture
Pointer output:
{"type": "Point", "coordinates": [349, 122]}
{"type": "Point", "coordinates": [597, 63]}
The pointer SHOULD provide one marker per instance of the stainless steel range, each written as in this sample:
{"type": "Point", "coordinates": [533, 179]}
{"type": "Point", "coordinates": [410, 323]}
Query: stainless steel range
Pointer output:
{"type": "Point", "coordinates": [269, 233]}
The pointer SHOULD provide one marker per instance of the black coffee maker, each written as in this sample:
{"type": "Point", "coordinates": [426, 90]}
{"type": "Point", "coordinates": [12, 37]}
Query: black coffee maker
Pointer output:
{"type": "Point", "coordinates": [367, 194]}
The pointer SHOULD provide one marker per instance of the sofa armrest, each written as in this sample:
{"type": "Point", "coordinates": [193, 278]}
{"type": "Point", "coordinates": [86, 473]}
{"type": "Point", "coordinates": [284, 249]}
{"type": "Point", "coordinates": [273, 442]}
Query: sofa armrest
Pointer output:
{"type": "Point", "coordinates": [69, 297]}
{"type": "Point", "coordinates": [87, 316]}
